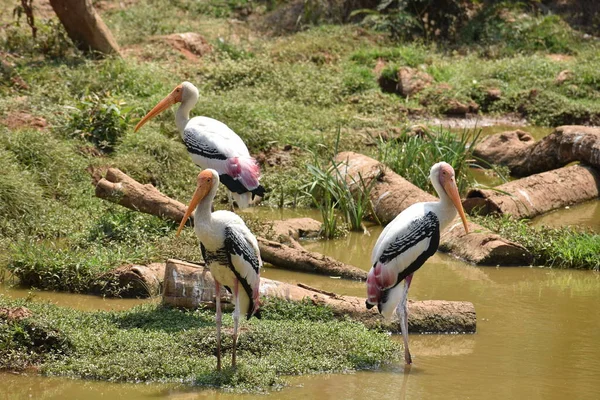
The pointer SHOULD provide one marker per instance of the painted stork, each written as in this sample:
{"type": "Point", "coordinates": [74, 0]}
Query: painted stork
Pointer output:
{"type": "Point", "coordinates": [212, 144]}
{"type": "Point", "coordinates": [230, 251]}
{"type": "Point", "coordinates": [406, 243]}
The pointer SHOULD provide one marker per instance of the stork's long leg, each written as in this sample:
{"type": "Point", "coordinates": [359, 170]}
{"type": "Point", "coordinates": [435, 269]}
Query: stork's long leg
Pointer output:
{"type": "Point", "coordinates": [236, 319]}
{"type": "Point", "coordinates": [230, 198]}
{"type": "Point", "coordinates": [402, 309]}
{"type": "Point", "coordinates": [218, 301]}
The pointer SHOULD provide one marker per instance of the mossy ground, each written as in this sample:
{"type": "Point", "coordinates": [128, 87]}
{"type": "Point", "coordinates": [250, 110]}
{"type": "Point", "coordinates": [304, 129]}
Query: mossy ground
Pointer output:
{"type": "Point", "coordinates": [297, 89]}
{"type": "Point", "coordinates": [151, 343]}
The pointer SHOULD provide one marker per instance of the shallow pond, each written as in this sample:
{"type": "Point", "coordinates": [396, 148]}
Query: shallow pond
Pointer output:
{"type": "Point", "coordinates": [537, 338]}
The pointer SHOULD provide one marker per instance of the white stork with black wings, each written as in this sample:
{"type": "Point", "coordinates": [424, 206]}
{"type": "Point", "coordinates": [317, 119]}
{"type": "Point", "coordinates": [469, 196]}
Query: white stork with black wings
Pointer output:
{"type": "Point", "coordinates": [212, 144]}
{"type": "Point", "coordinates": [230, 251]}
{"type": "Point", "coordinates": [406, 243]}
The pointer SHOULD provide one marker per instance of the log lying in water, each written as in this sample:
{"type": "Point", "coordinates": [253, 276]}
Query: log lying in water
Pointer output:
{"type": "Point", "coordinates": [189, 285]}
{"type": "Point", "coordinates": [524, 156]}
{"type": "Point", "coordinates": [392, 194]}
{"type": "Point", "coordinates": [537, 194]}
{"type": "Point", "coordinates": [119, 188]}
{"type": "Point", "coordinates": [131, 280]}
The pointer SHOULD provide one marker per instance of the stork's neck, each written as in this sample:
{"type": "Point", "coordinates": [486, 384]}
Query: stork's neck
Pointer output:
{"type": "Point", "coordinates": [203, 212]}
{"type": "Point", "coordinates": [445, 209]}
{"type": "Point", "coordinates": [182, 116]}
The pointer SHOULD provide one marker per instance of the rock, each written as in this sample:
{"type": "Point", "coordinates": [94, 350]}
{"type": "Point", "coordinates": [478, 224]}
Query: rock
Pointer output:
{"type": "Point", "coordinates": [412, 81]}
{"type": "Point", "coordinates": [563, 76]}
{"type": "Point", "coordinates": [295, 228]}
{"type": "Point", "coordinates": [504, 148]}
{"type": "Point", "coordinates": [379, 67]}
{"type": "Point", "coordinates": [20, 119]}
{"type": "Point", "coordinates": [493, 94]}
{"type": "Point", "coordinates": [191, 45]}
{"type": "Point", "coordinates": [15, 313]}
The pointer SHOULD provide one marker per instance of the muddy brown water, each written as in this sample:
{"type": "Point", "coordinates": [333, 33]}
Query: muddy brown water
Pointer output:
{"type": "Point", "coordinates": [537, 338]}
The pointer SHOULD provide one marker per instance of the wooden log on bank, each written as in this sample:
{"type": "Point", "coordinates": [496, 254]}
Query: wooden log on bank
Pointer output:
{"type": "Point", "coordinates": [537, 194]}
{"type": "Point", "coordinates": [392, 194]}
{"type": "Point", "coordinates": [189, 285]}
{"type": "Point", "coordinates": [118, 187]}
{"type": "Point", "coordinates": [524, 156]}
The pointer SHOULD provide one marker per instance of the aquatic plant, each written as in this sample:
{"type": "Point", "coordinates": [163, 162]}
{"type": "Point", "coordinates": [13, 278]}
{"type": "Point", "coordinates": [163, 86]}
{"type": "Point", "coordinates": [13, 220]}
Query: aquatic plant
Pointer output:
{"type": "Point", "coordinates": [330, 190]}
{"type": "Point", "coordinates": [413, 157]}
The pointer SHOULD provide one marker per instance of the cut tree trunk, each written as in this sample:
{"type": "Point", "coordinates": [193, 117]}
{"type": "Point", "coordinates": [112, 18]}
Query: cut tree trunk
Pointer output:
{"type": "Point", "coordinates": [523, 156]}
{"type": "Point", "coordinates": [84, 26]}
{"type": "Point", "coordinates": [392, 194]}
{"type": "Point", "coordinates": [537, 194]}
{"type": "Point", "coordinates": [119, 188]}
{"type": "Point", "coordinates": [188, 285]}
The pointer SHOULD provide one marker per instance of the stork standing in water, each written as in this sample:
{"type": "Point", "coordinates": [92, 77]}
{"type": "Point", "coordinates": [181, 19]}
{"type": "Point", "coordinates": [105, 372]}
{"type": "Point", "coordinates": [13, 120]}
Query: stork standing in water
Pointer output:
{"type": "Point", "coordinates": [230, 251]}
{"type": "Point", "coordinates": [212, 144]}
{"type": "Point", "coordinates": [406, 243]}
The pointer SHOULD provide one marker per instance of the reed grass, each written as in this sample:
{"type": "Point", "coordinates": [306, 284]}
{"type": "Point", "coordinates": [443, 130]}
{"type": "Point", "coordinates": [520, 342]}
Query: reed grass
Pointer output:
{"type": "Point", "coordinates": [413, 157]}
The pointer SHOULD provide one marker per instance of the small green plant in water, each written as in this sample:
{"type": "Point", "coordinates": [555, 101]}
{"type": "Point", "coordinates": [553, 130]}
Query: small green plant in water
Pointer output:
{"type": "Point", "coordinates": [330, 190]}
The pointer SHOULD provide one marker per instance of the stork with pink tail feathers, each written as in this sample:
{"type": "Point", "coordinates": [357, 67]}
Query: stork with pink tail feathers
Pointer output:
{"type": "Point", "coordinates": [406, 243]}
{"type": "Point", "coordinates": [212, 144]}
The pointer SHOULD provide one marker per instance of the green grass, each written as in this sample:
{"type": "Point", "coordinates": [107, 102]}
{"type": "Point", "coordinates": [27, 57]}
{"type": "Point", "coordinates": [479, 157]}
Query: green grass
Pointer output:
{"type": "Point", "coordinates": [151, 343]}
{"type": "Point", "coordinates": [553, 247]}
{"type": "Point", "coordinates": [413, 157]}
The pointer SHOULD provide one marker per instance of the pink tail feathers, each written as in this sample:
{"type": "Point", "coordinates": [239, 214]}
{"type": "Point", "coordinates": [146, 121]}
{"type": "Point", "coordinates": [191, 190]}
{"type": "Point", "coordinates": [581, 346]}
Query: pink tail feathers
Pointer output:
{"type": "Point", "coordinates": [373, 291]}
{"type": "Point", "coordinates": [244, 169]}
{"type": "Point", "coordinates": [379, 278]}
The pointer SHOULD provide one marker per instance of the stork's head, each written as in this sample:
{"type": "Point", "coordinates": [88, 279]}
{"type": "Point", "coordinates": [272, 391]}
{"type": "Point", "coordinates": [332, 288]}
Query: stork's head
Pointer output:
{"type": "Point", "coordinates": [207, 180]}
{"type": "Point", "coordinates": [443, 173]}
{"type": "Point", "coordinates": [182, 93]}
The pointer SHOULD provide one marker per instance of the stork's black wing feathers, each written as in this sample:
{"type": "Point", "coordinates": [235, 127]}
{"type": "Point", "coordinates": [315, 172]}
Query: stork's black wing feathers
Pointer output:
{"type": "Point", "coordinates": [426, 227]}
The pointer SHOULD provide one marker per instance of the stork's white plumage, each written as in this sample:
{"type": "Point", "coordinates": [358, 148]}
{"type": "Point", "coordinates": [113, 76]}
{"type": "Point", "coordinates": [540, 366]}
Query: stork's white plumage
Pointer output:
{"type": "Point", "coordinates": [230, 251]}
{"type": "Point", "coordinates": [406, 243]}
{"type": "Point", "coordinates": [212, 144]}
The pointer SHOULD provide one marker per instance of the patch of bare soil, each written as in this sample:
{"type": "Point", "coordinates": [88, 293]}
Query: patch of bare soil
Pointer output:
{"type": "Point", "coordinates": [278, 156]}
{"type": "Point", "coordinates": [192, 45]}
{"type": "Point", "coordinates": [11, 314]}
{"type": "Point", "coordinates": [21, 119]}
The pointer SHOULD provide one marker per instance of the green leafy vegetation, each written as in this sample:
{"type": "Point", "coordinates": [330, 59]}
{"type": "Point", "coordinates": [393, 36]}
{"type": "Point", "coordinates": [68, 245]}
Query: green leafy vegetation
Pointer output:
{"type": "Point", "coordinates": [413, 156]}
{"type": "Point", "coordinates": [152, 343]}
{"type": "Point", "coordinates": [554, 247]}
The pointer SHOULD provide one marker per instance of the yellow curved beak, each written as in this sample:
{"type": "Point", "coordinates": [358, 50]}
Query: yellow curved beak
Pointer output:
{"type": "Point", "coordinates": [160, 107]}
{"type": "Point", "coordinates": [452, 192]}
{"type": "Point", "coordinates": [199, 194]}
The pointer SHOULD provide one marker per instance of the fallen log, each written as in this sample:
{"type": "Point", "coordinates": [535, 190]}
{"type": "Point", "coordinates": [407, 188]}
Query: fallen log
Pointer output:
{"type": "Point", "coordinates": [392, 194]}
{"type": "Point", "coordinates": [524, 156]}
{"type": "Point", "coordinates": [131, 280]}
{"type": "Point", "coordinates": [536, 194]}
{"type": "Point", "coordinates": [118, 187]}
{"type": "Point", "coordinates": [189, 285]}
